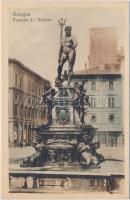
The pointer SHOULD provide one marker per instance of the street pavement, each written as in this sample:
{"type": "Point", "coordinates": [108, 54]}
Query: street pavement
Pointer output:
{"type": "Point", "coordinates": [116, 153]}
{"type": "Point", "coordinates": [20, 152]}
{"type": "Point", "coordinates": [16, 154]}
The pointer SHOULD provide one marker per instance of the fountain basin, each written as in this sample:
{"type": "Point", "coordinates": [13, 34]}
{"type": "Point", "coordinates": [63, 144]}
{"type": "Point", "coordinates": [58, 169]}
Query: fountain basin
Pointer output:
{"type": "Point", "coordinates": [61, 151]}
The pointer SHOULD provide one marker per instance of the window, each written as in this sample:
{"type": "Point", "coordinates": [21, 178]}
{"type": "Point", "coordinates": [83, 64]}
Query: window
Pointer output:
{"type": "Point", "coordinates": [15, 133]}
{"type": "Point", "coordinates": [111, 118]}
{"type": "Point", "coordinates": [29, 112]}
{"type": "Point", "coordinates": [39, 114]}
{"type": "Point", "coordinates": [39, 91]}
{"type": "Point", "coordinates": [29, 101]}
{"type": "Point", "coordinates": [33, 112]}
{"type": "Point", "coordinates": [15, 96]}
{"type": "Point", "coordinates": [20, 99]}
{"type": "Point", "coordinates": [25, 112]}
{"type": "Point", "coordinates": [111, 85]}
{"type": "Point", "coordinates": [112, 139]}
{"type": "Point", "coordinates": [93, 102]}
{"type": "Point", "coordinates": [102, 137]}
{"type": "Point", "coordinates": [29, 86]}
{"type": "Point", "coordinates": [93, 118]}
{"type": "Point", "coordinates": [42, 90]}
{"type": "Point", "coordinates": [113, 142]}
{"type": "Point", "coordinates": [15, 79]}
{"type": "Point", "coordinates": [93, 85]}
{"type": "Point", "coordinates": [111, 102]}
{"type": "Point", "coordinates": [21, 82]}
{"type": "Point", "coordinates": [21, 110]}
{"type": "Point", "coordinates": [36, 114]}
{"type": "Point", "coordinates": [33, 87]}
{"type": "Point", "coordinates": [15, 109]}
{"type": "Point", "coordinates": [35, 90]}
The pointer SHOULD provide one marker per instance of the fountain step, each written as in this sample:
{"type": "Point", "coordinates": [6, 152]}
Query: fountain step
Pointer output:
{"type": "Point", "coordinates": [67, 177]}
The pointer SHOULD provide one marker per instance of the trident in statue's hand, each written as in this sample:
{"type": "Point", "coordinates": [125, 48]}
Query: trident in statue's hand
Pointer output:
{"type": "Point", "coordinates": [67, 52]}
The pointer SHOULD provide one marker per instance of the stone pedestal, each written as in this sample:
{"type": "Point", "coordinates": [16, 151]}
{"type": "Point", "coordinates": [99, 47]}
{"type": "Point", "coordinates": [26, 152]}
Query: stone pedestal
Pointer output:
{"type": "Point", "coordinates": [61, 138]}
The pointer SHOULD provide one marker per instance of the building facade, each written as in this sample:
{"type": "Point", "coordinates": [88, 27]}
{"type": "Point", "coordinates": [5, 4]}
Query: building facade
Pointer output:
{"type": "Point", "coordinates": [102, 47]}
{"type": "Point", "coordinates": [25, 109]}
{"type": "Point", "coordinates": [105, 110]}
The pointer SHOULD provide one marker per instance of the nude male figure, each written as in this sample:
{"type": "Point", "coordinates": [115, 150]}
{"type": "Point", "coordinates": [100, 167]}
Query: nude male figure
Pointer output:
{"type": "Point", "coordinates": [67, 52]}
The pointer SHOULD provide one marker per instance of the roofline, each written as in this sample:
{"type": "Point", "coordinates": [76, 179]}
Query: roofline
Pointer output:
{"type": "Point", "coordinates": [105, 75]}
{"type": "Point", "coordinates": [103, 28]}
{"type": "Point", "coordinates": [17, 62]}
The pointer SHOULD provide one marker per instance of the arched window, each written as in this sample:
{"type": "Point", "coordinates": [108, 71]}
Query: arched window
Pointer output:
{"type": "Point", "coordinates": [15, 133]}
{"type": "Point", "coordinates": [29, 112]}
{"type": "Point", "coordinates": [29, 135]}
{"type": "Point", "coordinates": [20, 133]}
{"type": "Point", "coordinates": [25, 111]}
{"type": "Point", "coordinates": [25, 135]}
{"type": "Point", "coordinates": [33, 133]}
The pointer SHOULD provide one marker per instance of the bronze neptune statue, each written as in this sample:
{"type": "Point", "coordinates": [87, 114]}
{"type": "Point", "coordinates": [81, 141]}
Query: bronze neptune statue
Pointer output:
{"type": "Point", "coordinates": [67, 52]}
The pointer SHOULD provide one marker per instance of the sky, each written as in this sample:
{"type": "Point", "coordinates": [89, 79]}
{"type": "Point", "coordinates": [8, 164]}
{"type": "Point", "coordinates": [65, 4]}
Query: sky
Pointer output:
{"type": "Point", "coordinates": [36, 44]}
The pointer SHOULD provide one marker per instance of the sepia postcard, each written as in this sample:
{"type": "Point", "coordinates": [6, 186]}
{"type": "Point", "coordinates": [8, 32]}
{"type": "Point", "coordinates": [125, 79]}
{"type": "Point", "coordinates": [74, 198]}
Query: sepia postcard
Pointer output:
{"type": "Point", "coordinates": [65, 100]}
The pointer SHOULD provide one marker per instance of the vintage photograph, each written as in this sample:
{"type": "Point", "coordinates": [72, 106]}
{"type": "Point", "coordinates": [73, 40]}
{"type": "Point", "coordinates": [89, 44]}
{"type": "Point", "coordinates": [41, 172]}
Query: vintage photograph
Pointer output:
{"type": "Point", "coordinates": [66, 99]}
